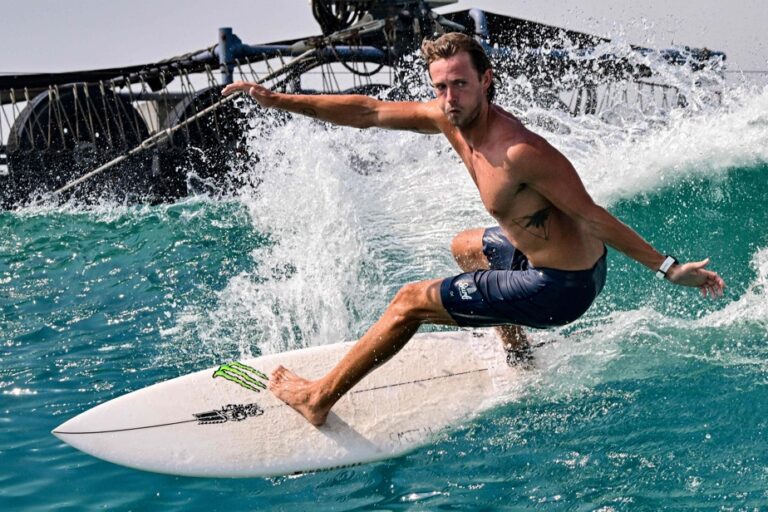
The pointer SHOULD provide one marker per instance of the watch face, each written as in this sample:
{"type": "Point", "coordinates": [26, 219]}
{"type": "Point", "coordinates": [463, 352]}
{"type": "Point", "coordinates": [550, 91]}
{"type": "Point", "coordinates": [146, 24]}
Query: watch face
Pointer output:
{"type": "Point", "coordinates": [668, 262]}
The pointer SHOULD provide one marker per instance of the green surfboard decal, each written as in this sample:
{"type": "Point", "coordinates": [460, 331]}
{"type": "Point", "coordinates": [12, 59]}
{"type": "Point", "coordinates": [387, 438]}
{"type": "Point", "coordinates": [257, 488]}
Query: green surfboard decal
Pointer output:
{"type": "Point", "coordinates": [242, 375]}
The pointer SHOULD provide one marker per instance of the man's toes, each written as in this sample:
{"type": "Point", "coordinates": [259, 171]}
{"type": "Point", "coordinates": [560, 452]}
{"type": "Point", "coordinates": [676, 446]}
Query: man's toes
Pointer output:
{"type": "Point", "coordinates": [519, 356]}
{"type": "Point", "coordinates": [277, 374]}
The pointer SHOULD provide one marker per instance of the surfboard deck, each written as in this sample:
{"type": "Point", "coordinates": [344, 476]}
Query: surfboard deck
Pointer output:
{"type": "Point", "coordinates": [223, 422]}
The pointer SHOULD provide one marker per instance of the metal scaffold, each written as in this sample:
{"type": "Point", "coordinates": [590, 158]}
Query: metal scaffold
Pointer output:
{"type": "Point", "coordinates": [136, 131]}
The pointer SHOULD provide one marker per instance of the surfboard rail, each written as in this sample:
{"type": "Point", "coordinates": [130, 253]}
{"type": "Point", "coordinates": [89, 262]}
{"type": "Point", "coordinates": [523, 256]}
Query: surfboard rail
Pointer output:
{"type": "Point", "coordinates": [223, 421]}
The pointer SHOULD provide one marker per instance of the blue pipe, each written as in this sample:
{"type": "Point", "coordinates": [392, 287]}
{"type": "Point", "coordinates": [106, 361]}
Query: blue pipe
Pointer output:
{"type": "Point", "coordinates": [367, 53]}
{"type": "Point", "coordinates": [230, 48]}
{"type": "Point", "coordinates": [226, 44]}
{"type": "Point", "coordinates": [481, 24]}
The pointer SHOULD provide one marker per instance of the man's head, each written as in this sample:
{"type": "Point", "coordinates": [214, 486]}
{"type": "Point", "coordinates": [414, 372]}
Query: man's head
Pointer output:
{"type": "Point", "coordinates": [460, 71]}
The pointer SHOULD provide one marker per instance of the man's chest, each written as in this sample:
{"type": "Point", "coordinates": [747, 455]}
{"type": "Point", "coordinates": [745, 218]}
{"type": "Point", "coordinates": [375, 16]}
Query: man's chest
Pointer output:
{"type": "Point", "coordinates": [501, 190]}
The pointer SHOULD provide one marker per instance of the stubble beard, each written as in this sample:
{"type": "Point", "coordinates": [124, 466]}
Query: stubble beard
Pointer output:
{"type": "Point", "coordinates": [465, 121]}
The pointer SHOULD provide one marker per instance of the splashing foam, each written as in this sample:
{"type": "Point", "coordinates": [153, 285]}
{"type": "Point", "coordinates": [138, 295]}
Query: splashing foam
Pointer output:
{"type": "Point", "coordinates": [708, 144]}
{"type": "Point", "coordinates": [347, 228]}
{"type": "Point", "coordinates": [352, 215]}
{"type": "Point", "coordinates": [590, 351]}
{"type": "Point", "coordinates": [752, 307]}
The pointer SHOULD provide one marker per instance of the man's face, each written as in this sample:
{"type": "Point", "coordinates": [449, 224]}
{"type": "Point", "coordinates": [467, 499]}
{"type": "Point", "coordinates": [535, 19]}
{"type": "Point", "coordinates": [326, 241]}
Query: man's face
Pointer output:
{"type": "Point", "coordinates": [460, 90]}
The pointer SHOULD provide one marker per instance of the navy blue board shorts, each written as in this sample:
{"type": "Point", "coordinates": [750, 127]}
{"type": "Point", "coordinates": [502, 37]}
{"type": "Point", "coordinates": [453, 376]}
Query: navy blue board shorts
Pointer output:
{"type": "Point", "coordinates": [514, 292]}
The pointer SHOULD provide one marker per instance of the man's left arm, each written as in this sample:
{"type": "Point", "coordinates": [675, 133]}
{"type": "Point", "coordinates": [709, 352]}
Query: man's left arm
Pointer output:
{"type": "Point", "coordinates": [548, 172]}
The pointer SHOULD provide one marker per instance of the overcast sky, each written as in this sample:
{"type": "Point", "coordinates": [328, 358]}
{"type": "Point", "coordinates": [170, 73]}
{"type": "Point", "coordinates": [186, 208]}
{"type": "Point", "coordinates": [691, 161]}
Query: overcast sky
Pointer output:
{"type": "Point", "coordinates": [57, 35]}
{"type": "Point", "coordinates": [61, 35]}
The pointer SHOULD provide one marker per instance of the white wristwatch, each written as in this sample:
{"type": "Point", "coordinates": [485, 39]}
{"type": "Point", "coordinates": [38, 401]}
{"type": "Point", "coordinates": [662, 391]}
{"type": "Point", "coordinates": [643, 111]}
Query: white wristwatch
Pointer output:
{"type": "Point", "coordinates": [668, 262]}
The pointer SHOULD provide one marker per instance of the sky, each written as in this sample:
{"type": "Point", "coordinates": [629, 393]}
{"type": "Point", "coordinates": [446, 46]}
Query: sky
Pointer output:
{"type": "Point", "coordinates": [57, 35]}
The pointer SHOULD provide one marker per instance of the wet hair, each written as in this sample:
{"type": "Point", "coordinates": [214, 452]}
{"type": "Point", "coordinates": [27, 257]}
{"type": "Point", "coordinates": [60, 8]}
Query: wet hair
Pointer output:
{"type": "Point", "coordinates": [452, 43]}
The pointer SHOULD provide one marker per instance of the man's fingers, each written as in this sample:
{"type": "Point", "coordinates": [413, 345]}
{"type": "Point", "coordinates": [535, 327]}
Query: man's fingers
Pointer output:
{"type": "Point", "coordinates": [232, 88]}
{"type": "Point", "coordinates": [715, 284]}
{"type": "Point", "coordinates": [709, 288]}
{"type": "Point", "coordinates": [238, 86]}
{"type": "Point", "coordinates": [699, 265]}
{"type": "Point", "coordinates": [713, 287]}
{"type": "Point", "coordinates": [695, 274]}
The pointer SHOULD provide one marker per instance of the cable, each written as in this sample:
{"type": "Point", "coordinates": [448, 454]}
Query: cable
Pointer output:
{"type": "Point", "coordinates": [157, 138]}
{"type": "Point", "coordinates": [335, 15]}
{"type": "Point", "coordinates": [350, 68]}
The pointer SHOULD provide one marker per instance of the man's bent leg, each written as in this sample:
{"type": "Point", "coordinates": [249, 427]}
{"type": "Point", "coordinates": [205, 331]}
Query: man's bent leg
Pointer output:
{"type": "Point", "coordinates": [413, 305]}
{"type": "Point", "coordinates": [467, 249]}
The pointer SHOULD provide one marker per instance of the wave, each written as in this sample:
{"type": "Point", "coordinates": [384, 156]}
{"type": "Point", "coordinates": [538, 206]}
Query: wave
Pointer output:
{"type": "Point", "coordinates": [351, 214]}
{"type": "Point", "coordinates": [348, 216]}
{"type": "Point", "coordinates": [644, 342]}
{"type": "Point", "coordinates": [749, 309]}
{"type": "Point", "coordinates": [626, 164]}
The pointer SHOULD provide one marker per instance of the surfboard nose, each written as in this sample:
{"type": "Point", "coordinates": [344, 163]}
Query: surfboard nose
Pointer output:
{"type": "Point", "coordinates": [66, 430]}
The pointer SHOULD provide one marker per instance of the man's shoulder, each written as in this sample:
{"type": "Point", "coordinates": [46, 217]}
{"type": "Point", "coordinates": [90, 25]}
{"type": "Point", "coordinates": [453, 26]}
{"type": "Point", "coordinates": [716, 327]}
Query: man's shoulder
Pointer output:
{"type": "Point", "coordinates": [524, 144]}
{"type": "Point", "coordinates": [429, 109]}
{"type": "Point", "coordinates": [529, 152]}
{"type": "Point", "coordinates": [514, 135]}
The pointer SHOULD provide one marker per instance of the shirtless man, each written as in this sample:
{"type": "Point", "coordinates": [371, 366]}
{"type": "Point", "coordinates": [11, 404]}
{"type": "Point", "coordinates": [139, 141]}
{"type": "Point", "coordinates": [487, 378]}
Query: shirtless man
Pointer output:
{"type": "Point", "coordinates": [541, 267]}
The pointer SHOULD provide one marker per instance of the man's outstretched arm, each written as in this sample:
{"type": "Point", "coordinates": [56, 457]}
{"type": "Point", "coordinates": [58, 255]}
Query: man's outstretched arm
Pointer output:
{"type": "Point", "coordinates": [548, 172]}
{"type": "Point", "coordinates": [348, 110]}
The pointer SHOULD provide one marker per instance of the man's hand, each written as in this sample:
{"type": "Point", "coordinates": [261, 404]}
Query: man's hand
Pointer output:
{"type": "Point", "coordinates": [695, 275]}
{"type": "Point", "coordinates": [262, 95]}
{"type": "Point", "coordinates": [353, 110]}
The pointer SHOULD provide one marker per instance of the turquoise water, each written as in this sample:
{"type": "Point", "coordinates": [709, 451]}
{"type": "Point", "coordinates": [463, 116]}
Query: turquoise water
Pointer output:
{"type": "Point", "coordinates": [656, 399]}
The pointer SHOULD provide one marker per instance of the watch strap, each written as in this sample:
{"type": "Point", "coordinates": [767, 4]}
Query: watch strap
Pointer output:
{"type": "Point", "coordinates": [665, 266]}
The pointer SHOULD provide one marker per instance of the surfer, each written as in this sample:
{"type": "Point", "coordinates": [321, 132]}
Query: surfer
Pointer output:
{"type": "Point", "coordinates": [542, 266]}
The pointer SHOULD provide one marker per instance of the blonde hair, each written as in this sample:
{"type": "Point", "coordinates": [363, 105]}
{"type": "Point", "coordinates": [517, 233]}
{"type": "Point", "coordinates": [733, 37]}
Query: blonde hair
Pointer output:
{"type": "Point", "coordinates": [453, 43]}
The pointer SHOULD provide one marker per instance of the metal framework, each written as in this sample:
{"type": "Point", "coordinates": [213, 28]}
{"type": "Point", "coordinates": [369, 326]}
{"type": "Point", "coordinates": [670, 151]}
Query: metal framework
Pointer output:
{"type": "Point", "coordinates": [134, 129]}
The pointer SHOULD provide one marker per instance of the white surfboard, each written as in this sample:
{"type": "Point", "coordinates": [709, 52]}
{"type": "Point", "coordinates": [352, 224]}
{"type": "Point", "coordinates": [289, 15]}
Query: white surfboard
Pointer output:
{"type": "Point", "coordinates": [223, 422]}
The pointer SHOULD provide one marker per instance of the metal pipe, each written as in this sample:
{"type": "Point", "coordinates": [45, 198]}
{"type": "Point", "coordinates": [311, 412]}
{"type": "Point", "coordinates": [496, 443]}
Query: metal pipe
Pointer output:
{"type": "Point", "coordinates": [368, 53]}
{"type": "Point", "coordinates": [226, 65]}
{"type": "Point", "coordinates": [159, 137]}
{"type": "Point", "coordinates": [481, 24]}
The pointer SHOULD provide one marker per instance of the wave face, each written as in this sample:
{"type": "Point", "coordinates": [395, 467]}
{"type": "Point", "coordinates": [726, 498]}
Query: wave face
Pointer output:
{"type": "Point", "coordinates": [655, 398]}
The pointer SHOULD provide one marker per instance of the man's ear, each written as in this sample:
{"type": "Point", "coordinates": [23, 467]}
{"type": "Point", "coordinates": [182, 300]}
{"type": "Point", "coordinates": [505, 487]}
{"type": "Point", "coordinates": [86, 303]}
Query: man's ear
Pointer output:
{"type": "Point", "coordinates": [486, 79]}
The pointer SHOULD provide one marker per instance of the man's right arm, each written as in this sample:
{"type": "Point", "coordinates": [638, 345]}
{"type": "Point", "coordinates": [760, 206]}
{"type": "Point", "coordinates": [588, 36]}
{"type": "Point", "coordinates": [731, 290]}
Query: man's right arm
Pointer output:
{"type": "Point", "coordinates": [348, 110]}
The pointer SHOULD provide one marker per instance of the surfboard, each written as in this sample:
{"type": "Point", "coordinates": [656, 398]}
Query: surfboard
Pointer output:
{"type": "Point", "coordinates": [224, 422]}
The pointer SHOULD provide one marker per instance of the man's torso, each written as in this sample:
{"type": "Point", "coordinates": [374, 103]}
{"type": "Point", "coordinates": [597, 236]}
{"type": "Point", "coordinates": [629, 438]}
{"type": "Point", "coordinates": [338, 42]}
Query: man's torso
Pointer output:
{"type": "Point", "coordinates": [546, 235]}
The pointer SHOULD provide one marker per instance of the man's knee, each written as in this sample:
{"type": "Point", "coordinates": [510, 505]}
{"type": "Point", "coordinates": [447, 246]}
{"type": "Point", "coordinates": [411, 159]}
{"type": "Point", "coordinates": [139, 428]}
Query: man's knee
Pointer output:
{"type": "Point", "coordinates": [467, 249]}
{"type": "Point", "coordinates": [417, 302]}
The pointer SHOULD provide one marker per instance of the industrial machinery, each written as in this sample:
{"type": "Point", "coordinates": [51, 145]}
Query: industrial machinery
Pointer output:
{"type": "Point", "coordinates": [160, 131]}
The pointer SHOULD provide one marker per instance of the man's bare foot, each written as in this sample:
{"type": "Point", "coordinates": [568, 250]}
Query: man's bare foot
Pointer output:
{"type": "Point", "coordinates": [299, 393]}
{"type": "Point", "coordinates": [520, 357]}
{"type": "Point", "coordinates": [516, 346]}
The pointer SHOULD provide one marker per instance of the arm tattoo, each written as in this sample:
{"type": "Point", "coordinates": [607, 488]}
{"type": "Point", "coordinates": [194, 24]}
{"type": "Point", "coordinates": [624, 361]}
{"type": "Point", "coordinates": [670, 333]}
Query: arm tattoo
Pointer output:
{"type": "Point", "coordinates": [537, 223]}
{"type": "Point", "coordinates": [309, 112]}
